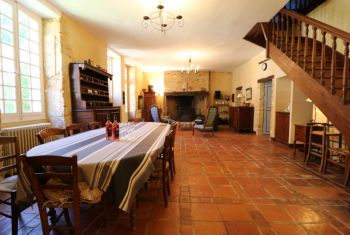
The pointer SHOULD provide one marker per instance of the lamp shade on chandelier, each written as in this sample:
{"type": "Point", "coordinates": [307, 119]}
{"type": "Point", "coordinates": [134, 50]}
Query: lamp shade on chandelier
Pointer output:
{"type": "Point", "coordinates": [162, 19]}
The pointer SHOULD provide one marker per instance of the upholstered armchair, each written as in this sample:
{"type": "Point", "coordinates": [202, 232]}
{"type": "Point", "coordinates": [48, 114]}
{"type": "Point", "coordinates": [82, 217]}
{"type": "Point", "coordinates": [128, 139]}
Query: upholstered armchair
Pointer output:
{"type": "Point", "coordinates": [210, 121]}
{"type": "Point", "coordinates": [155, 115]}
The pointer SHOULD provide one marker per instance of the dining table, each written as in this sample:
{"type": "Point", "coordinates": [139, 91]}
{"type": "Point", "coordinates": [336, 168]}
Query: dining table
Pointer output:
{"type": "Point", "coordinates": [119, 167]}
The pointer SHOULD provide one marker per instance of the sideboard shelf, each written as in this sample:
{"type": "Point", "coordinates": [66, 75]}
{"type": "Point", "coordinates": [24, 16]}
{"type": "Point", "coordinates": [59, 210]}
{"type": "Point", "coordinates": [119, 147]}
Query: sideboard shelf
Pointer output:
{"type": "Point", "coordinates": [90, 94]}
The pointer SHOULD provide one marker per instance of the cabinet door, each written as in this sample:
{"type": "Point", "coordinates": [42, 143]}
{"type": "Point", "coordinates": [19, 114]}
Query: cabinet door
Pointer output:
{"type": "Point", "coordinates": [282, 127]}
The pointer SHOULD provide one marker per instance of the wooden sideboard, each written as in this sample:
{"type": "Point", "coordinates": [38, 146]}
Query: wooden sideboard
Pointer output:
{"type": "Point", "coordinates": [90, 94]}
{"type": "Point", "coordinates": [282, 127]}
{"type": "Point", "coordinates": [302, 133]}
{"type": "Point", "coordinates": [242, 118]}
{"type": "Point", "coordinates": [148, 101]}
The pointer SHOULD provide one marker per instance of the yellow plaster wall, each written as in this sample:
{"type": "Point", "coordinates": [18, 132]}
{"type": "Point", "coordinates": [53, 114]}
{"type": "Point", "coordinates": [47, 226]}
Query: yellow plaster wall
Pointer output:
{"type": "Point", "coordinates": [220, 81]}
{"type": "Point", "coordinates": [247, 75]}
{"type": "Point", "coordinates": [78, 44]}
{"type": "Point", "coordinates": [157, 80]}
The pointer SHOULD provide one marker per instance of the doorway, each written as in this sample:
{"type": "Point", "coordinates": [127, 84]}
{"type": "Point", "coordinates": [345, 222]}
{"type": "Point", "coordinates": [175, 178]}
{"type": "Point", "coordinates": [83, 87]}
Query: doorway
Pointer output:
{"type": "Point", "coordinates": [267, 106]}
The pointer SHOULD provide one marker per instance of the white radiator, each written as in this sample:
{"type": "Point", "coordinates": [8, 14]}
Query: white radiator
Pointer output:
{"type": "Point", "coordinates": [26, 136]}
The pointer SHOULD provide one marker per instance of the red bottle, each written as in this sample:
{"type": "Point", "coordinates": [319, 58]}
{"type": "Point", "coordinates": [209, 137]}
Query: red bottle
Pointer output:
{"type": "Point", "coordinates": [108, 128]}
{"type": "Point", "coordinates": [115, 129]}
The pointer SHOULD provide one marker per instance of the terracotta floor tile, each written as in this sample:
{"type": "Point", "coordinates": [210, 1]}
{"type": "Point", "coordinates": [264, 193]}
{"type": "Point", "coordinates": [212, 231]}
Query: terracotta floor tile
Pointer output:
{"type": "Point", "coordinates": [242, 229]}
{"type": "Point", "coordinates": [208, 228]}
{"type": "Point", "coordinates": [229, 184]}
{"type": "Point", "coordinates": [320, 229]}
{"type": "Point", "coordinates": [161, 212]}
{"type": "Point", "coordinates": [186, 230]}
{"type": "Point", "coordinates": [274, 213]}
{"type": "Point", "coordinates": [219, 181]}
{"type": "Point", "coordinates": [161, 227]}
{"type": "Point", "coordinates": [288, 229]}
{"type": "Point", "coordinates": [223, 191]}
{"type": "Point", "coordinates": [234, 212]}
{"type": "Point", "coordinates": [205, 212]}
{"type": "Point", "coordinates": [303, 214]}
{"type": "Point", "coordinates": [279, 192]}
{"type": "Point", "coordinates": [256, 192]}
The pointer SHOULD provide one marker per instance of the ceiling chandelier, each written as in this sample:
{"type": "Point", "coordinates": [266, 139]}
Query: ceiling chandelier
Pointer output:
{"type": "Point", "coordinates": [190, 68]}
{"type": "Point", "coordinates": [161, 19]}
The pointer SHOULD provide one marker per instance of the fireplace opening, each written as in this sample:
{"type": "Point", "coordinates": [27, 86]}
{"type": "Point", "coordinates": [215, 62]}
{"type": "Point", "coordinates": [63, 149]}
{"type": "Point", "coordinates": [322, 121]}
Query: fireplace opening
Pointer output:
{"type": "Point", "coordinates": [181, 108]}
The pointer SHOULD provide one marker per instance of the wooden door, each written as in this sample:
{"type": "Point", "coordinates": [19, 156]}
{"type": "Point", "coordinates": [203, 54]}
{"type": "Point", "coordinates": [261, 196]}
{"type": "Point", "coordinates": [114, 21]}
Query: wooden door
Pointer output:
{"type": "Point", "coordinates": [267, 107]}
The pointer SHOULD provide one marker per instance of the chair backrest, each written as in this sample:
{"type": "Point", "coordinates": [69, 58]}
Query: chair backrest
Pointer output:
{"type": "Point", "coordinates": [50, 134]}
{"type": "Point", "coordinates": [94, 125]}
{"type": "Point", "coordinates": [211, 116]}
{"type": "Point", "coordinates": [173, 128]}
{"type": "Point", "coordinates": [73, 129]}
{"type": "Point", "coordinates": [167, 149]}
{"type": "Point", "coordinates": [154, 113]}
{"type": "Point", "coordinates": [9, 162]}
{"type": "Point", "coordinates": [53, 174]}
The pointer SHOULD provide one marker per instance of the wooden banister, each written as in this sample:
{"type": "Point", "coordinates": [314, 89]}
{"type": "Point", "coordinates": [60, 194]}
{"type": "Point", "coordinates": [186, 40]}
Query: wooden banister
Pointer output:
{"type": "Point", "coordinates": [318, 24]}
{"type": "Point", "coordinates": [297, 42]}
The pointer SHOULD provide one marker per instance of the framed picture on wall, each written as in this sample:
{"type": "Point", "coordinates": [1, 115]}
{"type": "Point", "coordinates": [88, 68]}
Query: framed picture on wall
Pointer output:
{"type": "Point", "coordinates": [248, 93]}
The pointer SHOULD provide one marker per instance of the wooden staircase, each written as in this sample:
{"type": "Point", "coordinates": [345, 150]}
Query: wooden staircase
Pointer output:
{"type": "Point", "coordinates": [316, 57]}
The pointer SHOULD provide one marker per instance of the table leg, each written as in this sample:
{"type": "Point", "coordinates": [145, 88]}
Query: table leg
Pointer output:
{"type": "Point", "coordinates": [133, 216]}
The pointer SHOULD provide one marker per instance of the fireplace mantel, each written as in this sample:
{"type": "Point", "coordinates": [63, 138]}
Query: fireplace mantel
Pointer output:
{"type": "Point", "coordinates": [187, 93]}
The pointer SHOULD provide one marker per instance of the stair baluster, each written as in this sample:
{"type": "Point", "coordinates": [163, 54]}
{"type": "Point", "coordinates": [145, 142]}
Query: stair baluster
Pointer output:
{"type": "Point", "coordinates": [293, 39]}
{"type": "Point", "coordinates": [278, 30]}
{"type": "Point", "coordinates": [287, 34]}
{"type": "Point", "coordinates": [273, 30]}
{"type": "Point", "coordinates": [314, 38]}
{"type": "Point", "coordinates": [282, 32]}
{"type": "Point", "coordinates": [345, 72]}
{"type": "Point", "coordinates": [299, 42]}
{"type": "Point", "coordinates": [306, 46]}
{"type": "Point", "coordinates": [323, 57]}
{"type": "Point", "coordinates": [333, 64]}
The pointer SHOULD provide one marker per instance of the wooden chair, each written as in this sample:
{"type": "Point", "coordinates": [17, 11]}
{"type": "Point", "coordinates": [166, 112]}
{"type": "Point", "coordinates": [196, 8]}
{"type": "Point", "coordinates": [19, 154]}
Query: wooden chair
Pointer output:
{"type": "Point", "coordinates": [74, 128]}
{"type": "Point", "coordinates": [155, 115]}
{"type": "Point", "coordinates": [320, 134]}
{"type": "Point", "coordinates": [339, 156]}
{"type": "Point", "coordinates": [49, 134]}
{"type": "Point", "coordinates": [172, 153]}
{"type": "Point", "coordinates": [209, 123]}
{"type": "Point", "coordinates": [8, 185]}
{"type": "Point", "coordinates": [162, 168]}
{"type": "Point", "coordinates": [51, 174]}
{"type": "Point", "coordinates": [94, 125]}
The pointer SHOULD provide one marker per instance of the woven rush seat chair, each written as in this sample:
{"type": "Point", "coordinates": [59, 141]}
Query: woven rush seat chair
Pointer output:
{"type": "Point", "coordinates": [54, 181]}
{"type": "Point", "coordinates": [162, 168]}
{"type": "Point", "coordinates": [94, 125]}
{"type": "Point", "coordinates": [50, 134]}
{"type": "Point", "coordinates": [9, 165]}
{"type": "Point", "coordinates": [74, 128]}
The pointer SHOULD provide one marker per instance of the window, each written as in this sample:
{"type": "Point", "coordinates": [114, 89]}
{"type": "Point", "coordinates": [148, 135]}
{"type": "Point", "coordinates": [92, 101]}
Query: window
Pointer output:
{"type": "Point", "coordinates": [21, 93]}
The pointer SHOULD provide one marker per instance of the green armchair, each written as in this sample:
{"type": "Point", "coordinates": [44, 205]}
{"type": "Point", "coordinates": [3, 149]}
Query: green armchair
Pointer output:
{"type": "Point", "coordinates": [209, 123]}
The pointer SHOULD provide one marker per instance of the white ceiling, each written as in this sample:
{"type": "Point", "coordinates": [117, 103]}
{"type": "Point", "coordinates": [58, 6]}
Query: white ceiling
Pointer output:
{"type": "Point", "coordinates": [212, 33]}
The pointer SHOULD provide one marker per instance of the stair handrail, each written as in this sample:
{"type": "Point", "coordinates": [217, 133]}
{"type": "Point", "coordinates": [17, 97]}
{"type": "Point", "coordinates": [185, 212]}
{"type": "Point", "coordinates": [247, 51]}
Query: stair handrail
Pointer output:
{"type": "Point", "coordinates": [288, 33]}
{"type": "Point", "coordinates": [318, 24]}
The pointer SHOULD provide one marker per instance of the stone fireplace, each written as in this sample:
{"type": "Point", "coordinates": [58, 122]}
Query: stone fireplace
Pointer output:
{"type": "Point", "coordinates": [186, 95]}
{"type": "Point", "coordinates": [185, 106]}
